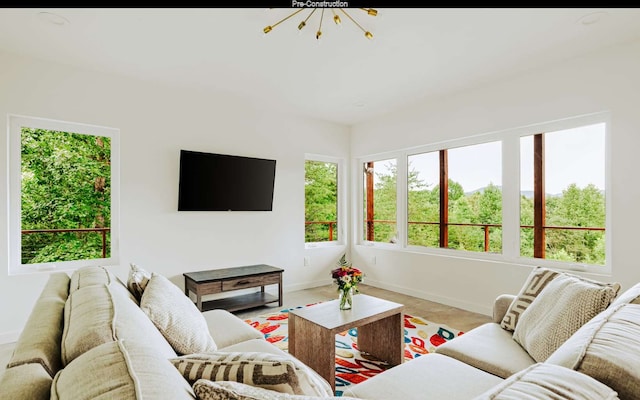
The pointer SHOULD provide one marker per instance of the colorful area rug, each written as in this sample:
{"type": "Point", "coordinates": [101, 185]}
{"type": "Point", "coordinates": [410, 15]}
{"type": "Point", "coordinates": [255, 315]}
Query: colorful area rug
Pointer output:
{"type": "Point", "coordinates": [352, 367]}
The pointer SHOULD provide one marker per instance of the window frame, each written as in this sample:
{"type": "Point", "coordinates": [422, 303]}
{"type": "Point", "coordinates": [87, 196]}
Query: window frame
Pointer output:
{"type": "Point", "coordinates": [341, 200]}
{"type": "Point", "coordinates": [14, 208]}
{"type": "Point", "coordinates": [510, 139]}
{"type": "Point", "coordinates": [401, 208]}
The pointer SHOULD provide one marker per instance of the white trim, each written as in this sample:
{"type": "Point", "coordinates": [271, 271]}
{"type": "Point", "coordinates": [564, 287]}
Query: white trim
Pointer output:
{"type": "Point", "coordinates": [14, 124]}
{"type": "Point", "coordinates": [510, 139]}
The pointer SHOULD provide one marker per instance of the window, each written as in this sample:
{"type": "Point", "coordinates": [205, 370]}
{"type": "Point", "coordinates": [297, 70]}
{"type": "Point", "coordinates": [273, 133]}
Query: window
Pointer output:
{"type": "Point", "coordinates": [562, 204]}
{"type": "Point", "coordinates": [467, 213]}
{"type": "Point", "coordinates": [535, 195]}
{"type": "Point", "coordinates": [380, 205]}
{"type": "Point", "coordinates": [322, 202]}
{"type": "Point", "coordinates": [63, 207]}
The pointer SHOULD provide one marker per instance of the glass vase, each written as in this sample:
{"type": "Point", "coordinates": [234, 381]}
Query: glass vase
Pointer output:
{"type": "Point", "coordinates": [346, 298]}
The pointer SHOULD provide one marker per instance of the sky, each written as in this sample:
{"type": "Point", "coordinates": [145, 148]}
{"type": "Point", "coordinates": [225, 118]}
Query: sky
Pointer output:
{"type": "Point", "coordinates": [571, 156]}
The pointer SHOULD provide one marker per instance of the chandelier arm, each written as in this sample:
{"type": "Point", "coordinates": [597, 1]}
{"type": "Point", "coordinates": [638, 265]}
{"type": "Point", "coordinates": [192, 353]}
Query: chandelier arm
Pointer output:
{"type": "Point", "coordinates": [287, 17]}
{"type": "Point", "coordinates": [319, 33]}
{"type": "Point", "coordinates": [354, 21]}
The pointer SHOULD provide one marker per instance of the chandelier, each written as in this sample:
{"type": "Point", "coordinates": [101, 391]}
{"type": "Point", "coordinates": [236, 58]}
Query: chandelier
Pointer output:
{"type": "Point", "coordinates": [336, 19]}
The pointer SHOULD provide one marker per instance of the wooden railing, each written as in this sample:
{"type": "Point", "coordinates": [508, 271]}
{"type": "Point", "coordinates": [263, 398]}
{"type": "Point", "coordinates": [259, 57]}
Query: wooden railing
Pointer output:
{"type": "Point", "coordinates": [103, 232]}
{"type": "Point", "coordinates": [486, 227]}
{"type": "Point", "coordinates": [330, 223]}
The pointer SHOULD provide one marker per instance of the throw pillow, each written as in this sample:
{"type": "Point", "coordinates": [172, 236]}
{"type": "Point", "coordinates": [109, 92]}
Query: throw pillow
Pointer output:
{"type": "Point", "coordinates": [278, 373]}
{"type": "Point", "coordinates": [536, 281]}
{"type": "Point", "coordinates": [226, 390]}
{"type": "Point", "coordinates": [176, 317]}
{"type": "Point", "coordinates": [601, 348]}
{"type": "Point", "coordinates": [544, 381]}
{"type": "Point", "coordinates": [137, 281]}
{"type": "Point", "coordinates": [561, 308]}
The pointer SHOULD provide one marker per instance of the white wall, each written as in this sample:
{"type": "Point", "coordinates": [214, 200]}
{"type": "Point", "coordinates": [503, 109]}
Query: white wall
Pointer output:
{"type": "Point", "coordinates": [603, 81]}
{"type": "Point", "coordinates": [155, 123]}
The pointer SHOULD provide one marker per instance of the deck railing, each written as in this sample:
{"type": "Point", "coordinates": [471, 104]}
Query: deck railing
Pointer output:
{"type": "Point", "coordinates": [486, 227]}
{"type": "Point", "coordinates": [102, 231]}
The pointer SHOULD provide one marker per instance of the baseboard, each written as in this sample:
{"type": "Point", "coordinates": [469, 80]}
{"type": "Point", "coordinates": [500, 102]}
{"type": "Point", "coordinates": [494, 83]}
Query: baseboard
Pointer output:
{"type": "Point", "coordinates": [306, 285]}
{"type": "Point", "coordinates": [9, 337]}
{"type": "Point", "coordinates": [487, 310]}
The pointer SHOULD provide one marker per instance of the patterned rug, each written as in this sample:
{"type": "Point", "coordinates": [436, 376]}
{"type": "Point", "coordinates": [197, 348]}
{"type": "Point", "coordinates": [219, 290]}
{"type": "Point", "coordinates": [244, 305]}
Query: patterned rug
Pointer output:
{"type": "Point", "coordinates": [352, 367]}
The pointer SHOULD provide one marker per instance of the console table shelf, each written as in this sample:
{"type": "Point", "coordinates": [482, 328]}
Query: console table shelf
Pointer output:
{"type": "Point", "coordinates": [232, 279]}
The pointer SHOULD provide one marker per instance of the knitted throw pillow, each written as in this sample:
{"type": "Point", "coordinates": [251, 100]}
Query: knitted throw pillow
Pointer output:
{"type": "Point", "coordinates": [561, 308]}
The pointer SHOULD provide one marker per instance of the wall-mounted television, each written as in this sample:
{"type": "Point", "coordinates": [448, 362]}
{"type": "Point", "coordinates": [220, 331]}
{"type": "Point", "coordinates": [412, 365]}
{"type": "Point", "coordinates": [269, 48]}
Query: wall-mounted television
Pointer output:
{"type": "Point", "coordinates": [224, 182]}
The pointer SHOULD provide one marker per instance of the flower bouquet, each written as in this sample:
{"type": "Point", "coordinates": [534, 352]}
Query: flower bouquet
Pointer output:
{"type": "Point", "coordinates": [347, 278]}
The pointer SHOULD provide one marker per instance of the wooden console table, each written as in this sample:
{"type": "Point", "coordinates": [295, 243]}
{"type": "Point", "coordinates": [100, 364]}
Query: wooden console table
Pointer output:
{"type": "Point", "coordinates": [230, 279]}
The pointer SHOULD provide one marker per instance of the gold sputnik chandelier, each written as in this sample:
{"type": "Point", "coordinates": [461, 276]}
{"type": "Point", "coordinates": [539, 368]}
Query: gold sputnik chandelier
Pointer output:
{"type": "Point", "coordinates": [336, 19]}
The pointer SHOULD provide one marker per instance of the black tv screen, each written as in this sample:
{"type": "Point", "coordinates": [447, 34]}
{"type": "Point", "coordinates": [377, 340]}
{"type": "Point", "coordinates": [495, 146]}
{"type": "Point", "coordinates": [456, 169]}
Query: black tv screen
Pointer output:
{"type": "Point", "coordinates": [222, 182]}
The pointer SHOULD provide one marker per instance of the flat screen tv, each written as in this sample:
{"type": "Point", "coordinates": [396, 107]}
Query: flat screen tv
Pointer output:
{"type": "Point", "coordinates": [223, 182]}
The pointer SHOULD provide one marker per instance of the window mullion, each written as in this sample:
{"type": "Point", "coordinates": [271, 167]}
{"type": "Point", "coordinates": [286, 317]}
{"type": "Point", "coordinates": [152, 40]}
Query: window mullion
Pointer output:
{"type": "Point", "coordinates": [511, 197]}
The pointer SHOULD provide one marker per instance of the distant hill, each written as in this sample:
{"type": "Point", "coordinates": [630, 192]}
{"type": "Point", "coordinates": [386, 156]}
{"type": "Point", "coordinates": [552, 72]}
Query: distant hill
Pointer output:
{"type": "Point", "coordinates": [526, 193]}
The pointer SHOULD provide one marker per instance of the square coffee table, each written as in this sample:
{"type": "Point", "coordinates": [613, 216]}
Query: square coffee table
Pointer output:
{"type": "Point", "coordinates": [312, 332]}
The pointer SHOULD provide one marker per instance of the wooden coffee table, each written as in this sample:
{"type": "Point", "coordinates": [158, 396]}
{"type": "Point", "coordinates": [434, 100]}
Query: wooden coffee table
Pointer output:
{"type": "Point", "coordinates": [312, 332]}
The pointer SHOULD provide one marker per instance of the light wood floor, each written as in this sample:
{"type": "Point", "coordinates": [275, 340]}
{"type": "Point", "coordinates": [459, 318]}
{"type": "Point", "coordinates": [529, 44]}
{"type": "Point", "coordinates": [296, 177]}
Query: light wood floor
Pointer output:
{"type": "Point", "coordinates": [434, 312]}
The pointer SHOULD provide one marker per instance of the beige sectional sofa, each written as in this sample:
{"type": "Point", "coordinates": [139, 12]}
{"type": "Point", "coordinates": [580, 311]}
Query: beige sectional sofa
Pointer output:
{"type": "Point", "coordinates": [600, 360]}
{"type": "Point", "coordinates": [89, 337]}
{"type": "Point", "coordinates": [92, 336]}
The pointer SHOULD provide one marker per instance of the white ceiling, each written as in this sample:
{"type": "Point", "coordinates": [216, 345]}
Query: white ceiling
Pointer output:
{"type": "Point", "coordinates": [416, 52]}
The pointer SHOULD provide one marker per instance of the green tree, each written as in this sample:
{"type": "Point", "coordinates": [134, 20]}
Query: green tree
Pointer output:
{"type": "Point", "coordinates": [321, 200]}
{"type": "Point", "coordinates": [65, 185]}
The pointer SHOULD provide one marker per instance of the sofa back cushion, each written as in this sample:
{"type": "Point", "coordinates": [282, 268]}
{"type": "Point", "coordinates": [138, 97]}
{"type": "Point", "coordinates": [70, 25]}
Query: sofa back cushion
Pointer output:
{"type": "Point", "coordinates": [104, 313]}
{"type": "Point", "coordinates": [90, 276]}
{"type": "Point", "coordinates": [120, 370]}
{"type": "Point", "coordinates": [607, 348]}
{"type": "Point", "coordinates": [39, 341]}
{"type": "Point", "coordinates": [561, 308]}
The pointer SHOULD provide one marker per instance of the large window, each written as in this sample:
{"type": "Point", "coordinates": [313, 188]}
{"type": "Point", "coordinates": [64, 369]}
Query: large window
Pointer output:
{"type": "Point", "coordinates": [562, 185]}
{"type": "Point", "coordinates": [322, 201]}
{"type": "Point", "coordinates": [533, 195]}
{"type": "Point", "coordinates": [455, 198]}
{"type": "Point", "coordinates": [380, 205]}
{"type": "Point", "coordinates": [63, 208]}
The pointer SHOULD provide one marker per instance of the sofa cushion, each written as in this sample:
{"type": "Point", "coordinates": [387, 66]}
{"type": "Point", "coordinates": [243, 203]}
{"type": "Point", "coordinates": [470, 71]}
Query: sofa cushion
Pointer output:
{"type": "Point", "coordinates": [280, 373]}
{"type": "Point", "coordinates": [549, 382]}
{"type": "Point", "coordinates": [431, 376]}
{"type": "Point", "coordinates": [88, 321]}
{"type": "Point", "coordinates": [489, 348]}
{"type": "Point", "coordinates": [98, 314]}
{"type": "Point", "coordinates": [607, 347]}
{"type": "Point", "coordinates": [13, 384]}
{"type": "Point", "coordinates": [39, 341]}
{"type": "Point", "coordinates": [137, 280]}
{"type": "Point", "coordinates": [90, 276]}
{"type": "Point", "coordinates": [176, 317]}
{"type": "Point", "coordinates": [228, 390]}
{"type": "Point", "coordinates": [561, 308]}
{"type": "Point", "coordinates": [120, 370]}
{"type": "Point", "coordinates": [533, 285]}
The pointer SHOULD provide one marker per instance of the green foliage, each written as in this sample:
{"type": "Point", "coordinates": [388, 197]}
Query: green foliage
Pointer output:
{"type": "Point", "coordinates": [321, 200]}
{"type": "Point", "coordinates": [65, 184]}
{"type": "Point", "coordinates": [575, 207]}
